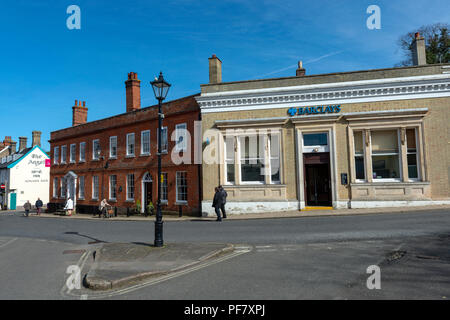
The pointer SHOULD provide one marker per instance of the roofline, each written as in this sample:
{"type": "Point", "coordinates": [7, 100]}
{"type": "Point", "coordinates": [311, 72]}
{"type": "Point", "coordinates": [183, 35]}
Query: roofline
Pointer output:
{"type": "Point", "coordinates": [22, 157]}
{"type": "Point", "coordinates": [130, 112]}
{"type": "Point", "coordinates": [323, 74]}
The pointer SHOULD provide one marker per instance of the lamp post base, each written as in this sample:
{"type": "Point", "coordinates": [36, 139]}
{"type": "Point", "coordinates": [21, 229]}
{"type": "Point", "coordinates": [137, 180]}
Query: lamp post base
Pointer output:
{"type": "Point", "coordinates": [159, 234]}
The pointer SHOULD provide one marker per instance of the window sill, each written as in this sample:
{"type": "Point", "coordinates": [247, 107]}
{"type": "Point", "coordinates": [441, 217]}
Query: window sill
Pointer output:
{"type": "Point", "coordinates": [181, 203]}
{"type": "Point", "coordinates": [95, 160]}
{"type": "Point", "coordinates": [112, 158]}
{"type": "Point", "coordinates": [130, 156]}
{"type": "Point", "coordinates": [130, 200]}
{"type": "Point", "coordinates": [112, 200]}
{"type": "Point", "coordinates": [144, 154]}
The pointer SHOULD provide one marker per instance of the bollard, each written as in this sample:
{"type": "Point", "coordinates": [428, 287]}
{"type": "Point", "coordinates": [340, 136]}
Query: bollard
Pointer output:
{"type": "Point", "coordinates": [180, 211]}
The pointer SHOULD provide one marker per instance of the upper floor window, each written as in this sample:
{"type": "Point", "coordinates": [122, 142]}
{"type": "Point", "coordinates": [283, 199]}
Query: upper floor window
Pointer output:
{"type": "Point", "coordinates": [145, 142]}
{"type": "Point", "coordinates": [82, 151]}
{"type": "Point", "coordinates": [113, 147]}
{"type": "Point", "coordinates": [72, 153]}
{"type": "Point", "coordinates": [63, 154]}
{"type": "Point", "coordinates": [180, 136]}
{"type": "Point", "coordinates": [56, 155]}
{"type": "Point", "coordinates": [164, 140]}
{"type": "Point", "coordinates": [130, 144]}
{"type": "Point", "coordinates": [96, 149]}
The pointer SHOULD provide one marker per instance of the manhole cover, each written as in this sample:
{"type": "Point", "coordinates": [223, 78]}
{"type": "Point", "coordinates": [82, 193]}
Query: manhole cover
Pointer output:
{"type": "Point", "coordinates": [395, 255]}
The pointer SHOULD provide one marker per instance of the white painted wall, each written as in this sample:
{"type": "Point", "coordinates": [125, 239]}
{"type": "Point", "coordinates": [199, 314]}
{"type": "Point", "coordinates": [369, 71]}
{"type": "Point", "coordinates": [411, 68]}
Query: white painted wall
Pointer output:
{"type": "Point", "coordinates": [31, 178]}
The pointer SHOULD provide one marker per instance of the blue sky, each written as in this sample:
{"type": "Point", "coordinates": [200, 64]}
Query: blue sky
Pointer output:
{"type": "Point", "coordinates": [45, 66]}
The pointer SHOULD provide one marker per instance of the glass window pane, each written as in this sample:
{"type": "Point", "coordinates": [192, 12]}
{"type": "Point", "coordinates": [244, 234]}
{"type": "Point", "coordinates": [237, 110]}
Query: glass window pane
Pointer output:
{"type": "Point", "coordinates": [230, 146]}
{"type": "Point", "coordinates": [315, 139]}
{"type": "Point", "coordinates": [252, 172]}
{"type": "Point", "coordinates": [412, 166]}
{"type": "Point", "coordinates": [359, 168]}
{"type": "Point", "coordinates": [385, 167]}
{"type": "Point", "coordinates": [275, 170]}
{"type": "Point", "coordinates": [385, 141]}
{"type": "Point", "coordinates": [411, 140]}
{"type": "Point", "coordinates": [230, 172]}
{"type": "Point", "coordinates": [358, 138]}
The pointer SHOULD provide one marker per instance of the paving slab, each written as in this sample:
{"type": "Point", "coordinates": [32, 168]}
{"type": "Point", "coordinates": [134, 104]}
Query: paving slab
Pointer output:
{"type": "Point", "coordinates": [119, 264]}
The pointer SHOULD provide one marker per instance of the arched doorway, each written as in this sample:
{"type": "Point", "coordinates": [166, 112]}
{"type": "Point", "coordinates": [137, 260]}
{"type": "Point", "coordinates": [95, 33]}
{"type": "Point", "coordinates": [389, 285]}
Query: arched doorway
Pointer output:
{"type": "Point", "coordinates": [147, 188]}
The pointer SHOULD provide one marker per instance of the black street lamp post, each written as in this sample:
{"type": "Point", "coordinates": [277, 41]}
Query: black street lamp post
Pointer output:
{"type": "Point", "coordinates": [160, 88]}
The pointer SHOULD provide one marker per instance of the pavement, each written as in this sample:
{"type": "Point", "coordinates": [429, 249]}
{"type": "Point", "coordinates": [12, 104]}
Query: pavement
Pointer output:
{"type": "Point", "coordinates": [264, 215]}
{"type": "Point", "coordinates": [123, 264]}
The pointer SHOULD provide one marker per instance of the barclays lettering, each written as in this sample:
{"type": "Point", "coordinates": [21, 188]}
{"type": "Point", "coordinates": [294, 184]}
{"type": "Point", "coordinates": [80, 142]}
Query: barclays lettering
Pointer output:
{"type": "Point", "coordinates": [314, 110]}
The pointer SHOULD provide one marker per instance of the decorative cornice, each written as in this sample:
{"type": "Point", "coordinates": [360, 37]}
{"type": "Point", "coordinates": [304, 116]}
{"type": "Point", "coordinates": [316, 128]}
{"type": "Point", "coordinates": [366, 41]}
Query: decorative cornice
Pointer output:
{"type": "Point", "coordinates": [417, 87]}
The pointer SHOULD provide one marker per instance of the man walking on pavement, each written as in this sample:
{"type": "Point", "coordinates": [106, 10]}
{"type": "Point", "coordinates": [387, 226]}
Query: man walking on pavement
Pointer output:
{"type": "Point", "coordinates": [217, 203]}
{"type": "Point", "coordinates": [38, 205]}
{"type": "Point", "coordinates": [27, 207]}
{"type": "Point", "coordinates": [223, 195]}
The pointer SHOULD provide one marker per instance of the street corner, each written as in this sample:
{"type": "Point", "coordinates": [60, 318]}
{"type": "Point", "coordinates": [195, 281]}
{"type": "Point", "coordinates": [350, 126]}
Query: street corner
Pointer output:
{"type": "Point", "coordinates": [120, 265]}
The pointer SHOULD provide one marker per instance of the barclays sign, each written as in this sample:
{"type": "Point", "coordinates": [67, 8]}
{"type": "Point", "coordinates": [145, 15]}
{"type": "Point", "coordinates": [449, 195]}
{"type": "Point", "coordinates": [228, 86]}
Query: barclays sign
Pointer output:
{"type": "Point", "coordinates": [314, 110]}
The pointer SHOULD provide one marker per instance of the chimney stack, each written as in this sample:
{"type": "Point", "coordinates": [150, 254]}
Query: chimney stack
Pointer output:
{"type": "Point", "coordinates": [13, 147]}
{"type": "Point", "coordinates": [22, 143]}
{"type": "Point", "coordinates": [300, 72]}
{"type": "Point", "coordinates": [36, 138]}
{"type": "Point", "coordinates": [79, 115]}
{"type": "Point", "coordinates": [133, 92]}
{"type": "Point", "coordinates": [418, 50]}
{"type": "Point", "coordinates": [215, 69]}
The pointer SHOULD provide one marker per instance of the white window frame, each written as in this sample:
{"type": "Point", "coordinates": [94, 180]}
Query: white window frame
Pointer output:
{"type": "Point", "coordinates": [142, 143]}
{"type": "Point", "coordinates": [128, 185]}
{"type": "Point", "coordinates": [81, 187]}
{"type": "Point", "coordinates": [164, 148]}
{"type": "Point", "coordinates": [355, 154]}
{"type": "Point", "coordinates": [317, 148]}
{"type": "Point", "coordinates": [176, 185]}
{"type": "Point", "coordinates": [270, 158]}
{"type": "Point", "coordinates": [416, 136]}
{"type": "Point", "coordinates": [110, 187]}
{"type": "Point", "coordinates": [398, 154]}
{"type": "Point", "coordinates": [165, 182]}
{"type": "Point", "coordinates": [96, 156]}
{"type": "Point", "coordinates": [82, 152]}
{"type": "Point", "coordinates": [230, 161]}
{"type": "Point", "coordinates": [240, 160]}
{"type": "Point", "coordinates": [95, 190]}
{"type": "Point", "coordinates": [63, 189]}
{"type": "Point", "coordinates": [55, 187]}
{"type": "Point", "coordinates": [56, 155]}
{"type": "Point", "coordinates": [181, 131]}
{"type": "Point", "coordinates": [63, 158]}
{"type": "Point", "coordinates": [72, 153]}
{"type": "Point", "coordinates": [128, 143]}
{"type": "Point", "coordinates": [111, 140]}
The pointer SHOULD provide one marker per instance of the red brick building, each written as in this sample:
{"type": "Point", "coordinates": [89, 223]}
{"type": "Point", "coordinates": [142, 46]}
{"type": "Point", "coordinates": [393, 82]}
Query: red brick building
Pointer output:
{"type": "Point", "coordinates": [116, 158]}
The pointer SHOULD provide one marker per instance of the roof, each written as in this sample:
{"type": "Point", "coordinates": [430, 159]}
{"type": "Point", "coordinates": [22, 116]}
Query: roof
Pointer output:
{"type": "Point", "coordinates": [20, 155]}
{"type": "Point", "coordinates": [189, 104]}
{"type": "Point", "coordinates": [371, 74]}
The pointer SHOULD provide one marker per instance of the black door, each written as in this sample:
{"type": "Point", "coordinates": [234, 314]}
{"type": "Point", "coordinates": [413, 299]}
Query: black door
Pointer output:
{"type": "Point", "coordinates": [148, 193]}
{"type": "Point", "coordinates": [318, 185]}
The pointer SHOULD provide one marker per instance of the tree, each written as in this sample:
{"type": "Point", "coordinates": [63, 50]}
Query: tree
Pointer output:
{"type": "Point", "coordinates": [437, 44]}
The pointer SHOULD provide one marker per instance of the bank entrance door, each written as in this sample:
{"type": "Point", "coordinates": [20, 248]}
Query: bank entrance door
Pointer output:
{"type": "Point", "coordinates": [317, 179]}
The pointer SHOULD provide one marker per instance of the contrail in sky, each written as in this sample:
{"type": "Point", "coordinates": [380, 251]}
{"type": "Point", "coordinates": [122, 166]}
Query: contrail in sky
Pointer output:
{"type": "Point", "coordinates": [306, 62]}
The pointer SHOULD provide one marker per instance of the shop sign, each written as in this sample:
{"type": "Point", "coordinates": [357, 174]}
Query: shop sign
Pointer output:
{"type": "Point", "coordinates": [314, 110]}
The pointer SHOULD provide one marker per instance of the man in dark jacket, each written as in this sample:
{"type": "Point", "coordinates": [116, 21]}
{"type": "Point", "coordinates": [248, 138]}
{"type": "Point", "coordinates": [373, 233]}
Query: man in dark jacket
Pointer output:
{"type": "Point", "coordinates": [38, 206]}
{"type": "Point", "coordinates": [223, 195]}
{"type": "Point", "coordinates": [217, 203]}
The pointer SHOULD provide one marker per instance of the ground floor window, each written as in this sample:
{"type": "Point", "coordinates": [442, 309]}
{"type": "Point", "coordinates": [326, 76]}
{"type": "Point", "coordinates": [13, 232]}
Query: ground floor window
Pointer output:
{"type": "Point", "coordinates": [385, 154]}
{"type": "Point", "coordinates": [181, 184]}
{"type": "Point", "coordinates": [112, 187]}
{"type": "Point", "coordinates": [63, 188]}
{"type": "Point", "coordinates": [411, 137]}
{"type": "Point", "coordinates": [55, 187]}
{"type": "Point", "coordinates": [164, 187]}
{"type": "Point", "coordinates": [130, 186]}
{"type": "Point", "coordinates": [81, 187]}
{"type": "Point", "coordinates": [95, 187]}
